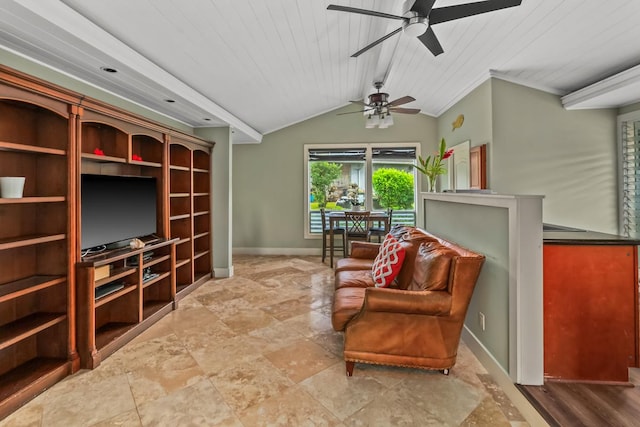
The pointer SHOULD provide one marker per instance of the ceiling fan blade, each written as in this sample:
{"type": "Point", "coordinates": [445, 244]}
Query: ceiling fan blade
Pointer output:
{"type": "Point", "coordinates": [430, 40]}
{"type": "Point", "coordinates": [400, 101]}
{"type": "Point", "coordinates": [423, 7]}
{"type": "Point", "coordinates": [380, 40]}
{"type": "Point", "coordinates": [449, 13]}
{"type": "Point", "coordinates": [405, 110]}
{"type": "Point", "coordinates": [363, 11]}
{"type": "Point", "coordinates": [351, 112]}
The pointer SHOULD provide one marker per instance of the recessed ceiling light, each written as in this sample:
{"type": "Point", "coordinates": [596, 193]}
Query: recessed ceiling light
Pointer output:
{"type": "Point", "coordinates": [170, 101]}
{"type": "Point", "coordinates": [108, 70]}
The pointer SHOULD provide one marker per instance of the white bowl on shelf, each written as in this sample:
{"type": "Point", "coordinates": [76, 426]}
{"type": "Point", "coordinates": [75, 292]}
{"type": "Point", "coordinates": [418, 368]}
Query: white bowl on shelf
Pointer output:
{"type": "Point", "coordinates": [11, 187]}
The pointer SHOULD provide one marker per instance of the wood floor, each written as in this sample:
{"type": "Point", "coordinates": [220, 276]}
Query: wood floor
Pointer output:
{"type": "Point", "coordinates": [569, 404]}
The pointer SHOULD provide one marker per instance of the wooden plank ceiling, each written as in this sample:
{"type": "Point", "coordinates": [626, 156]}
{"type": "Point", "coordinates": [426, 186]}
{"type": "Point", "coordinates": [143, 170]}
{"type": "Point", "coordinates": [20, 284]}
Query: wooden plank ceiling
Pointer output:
{"type": "Point", "coordinates": [260, 66]}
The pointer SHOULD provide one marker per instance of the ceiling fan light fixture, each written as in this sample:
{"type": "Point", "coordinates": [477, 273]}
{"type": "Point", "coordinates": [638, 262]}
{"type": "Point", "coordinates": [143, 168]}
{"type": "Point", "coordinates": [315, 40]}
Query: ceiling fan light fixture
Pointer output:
{"type": "Point", "coordinates": [369, 124]}
{"type": "Point", "coordinates": [416, 26]}
{"type": "Point", "coordinates": [388, 120]}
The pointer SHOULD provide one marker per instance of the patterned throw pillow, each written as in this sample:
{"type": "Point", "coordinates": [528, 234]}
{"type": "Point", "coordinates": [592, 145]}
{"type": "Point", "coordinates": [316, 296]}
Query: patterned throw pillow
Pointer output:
{"type": "Point", "coordinates": [388, 262]}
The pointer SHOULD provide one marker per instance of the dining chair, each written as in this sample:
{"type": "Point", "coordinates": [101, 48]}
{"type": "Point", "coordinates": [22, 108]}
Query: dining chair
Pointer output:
{"type": "Point", "coordinates": [337, 231]}
{"type": "Point", "coordinates": [357, 226]}
{"type": "Point", "coordinates": [381, 229]}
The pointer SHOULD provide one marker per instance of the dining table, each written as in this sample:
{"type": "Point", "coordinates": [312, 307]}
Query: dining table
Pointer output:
{"type": "Point", "coordinates": [336, 217]}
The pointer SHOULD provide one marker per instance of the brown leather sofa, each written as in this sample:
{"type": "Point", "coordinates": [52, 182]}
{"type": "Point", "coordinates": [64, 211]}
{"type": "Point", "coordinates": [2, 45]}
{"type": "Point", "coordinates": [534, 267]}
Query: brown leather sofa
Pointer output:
{"type": "Point", "coordinates": [417, 321]}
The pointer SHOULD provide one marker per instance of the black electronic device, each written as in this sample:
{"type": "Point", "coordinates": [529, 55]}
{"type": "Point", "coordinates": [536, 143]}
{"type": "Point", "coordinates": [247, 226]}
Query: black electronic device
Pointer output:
{"type": "Point", "coordinates": [133, 261]}
{"type": "Point", "coordinates": [107, 289]}
{"type": "Point", "coordinates": [116, 208]}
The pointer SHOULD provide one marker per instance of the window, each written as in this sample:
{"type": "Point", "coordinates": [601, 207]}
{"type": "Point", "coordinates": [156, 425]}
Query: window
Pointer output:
{"type": "Point", "coordinates": [629, 127]}
{"type": "Point", "coordinates": [341, 176]}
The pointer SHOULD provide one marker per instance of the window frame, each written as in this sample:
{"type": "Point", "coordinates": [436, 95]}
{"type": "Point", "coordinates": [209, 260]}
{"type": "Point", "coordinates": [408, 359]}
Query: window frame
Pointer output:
{"type": "Point", "coordinates": [369, 147]}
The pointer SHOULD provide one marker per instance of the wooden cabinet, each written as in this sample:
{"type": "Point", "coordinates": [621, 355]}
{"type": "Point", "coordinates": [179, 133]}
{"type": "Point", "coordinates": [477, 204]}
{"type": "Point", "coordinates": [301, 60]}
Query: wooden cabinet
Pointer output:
{"type": "Point", "coordinates": [189, 199]}
{"type": "Point", "coordinates": [121, 293]}
{"type": "Point", "coordinates": [590, 311]}
{"type": "Point", "coordinates": [37, 342]}
{"type": "Point", "coordinates": [51, 136]}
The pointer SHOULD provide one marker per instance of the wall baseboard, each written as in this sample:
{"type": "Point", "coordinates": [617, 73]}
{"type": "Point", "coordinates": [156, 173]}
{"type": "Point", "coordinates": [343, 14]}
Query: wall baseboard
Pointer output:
{"type": "Point", "coordinates": [502, 378]}
{"type": "Point", "coordinates": [278, 251]}
{"type": "Point", "coordinates": [220, 273]}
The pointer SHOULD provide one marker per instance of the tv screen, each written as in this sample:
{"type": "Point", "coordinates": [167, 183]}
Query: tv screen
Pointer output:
{"type": "Point", "coordinates": [116, 208]}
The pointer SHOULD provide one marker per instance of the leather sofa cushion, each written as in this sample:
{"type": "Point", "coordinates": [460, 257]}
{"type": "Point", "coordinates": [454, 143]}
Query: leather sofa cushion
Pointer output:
{"type": "Point", "coordinates": [432, 267]}
{"type": "Point", "coordinates": [410, 241]}
{"type": "Point", "coordinates": [354, 264]}
{"type": "Point", "coordinates": [347, 302]}
{"type": "Point", "coordinates": [354, 279]}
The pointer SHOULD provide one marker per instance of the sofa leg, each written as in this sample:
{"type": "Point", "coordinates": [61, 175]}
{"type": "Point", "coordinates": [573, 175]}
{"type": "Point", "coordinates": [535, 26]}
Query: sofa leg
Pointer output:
{"type": "Point", "coordinates": [350, 366]}
{"type": "Point", "coordinates": [445, 372]}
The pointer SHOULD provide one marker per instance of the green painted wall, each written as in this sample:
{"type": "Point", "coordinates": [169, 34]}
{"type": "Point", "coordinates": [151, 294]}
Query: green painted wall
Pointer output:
{"type": "Point", "coordinates": [268, 182]}
{"type": "Point", "coordinates": [484, 229]}
{"type": "Point", "coordinates": [570, 157]}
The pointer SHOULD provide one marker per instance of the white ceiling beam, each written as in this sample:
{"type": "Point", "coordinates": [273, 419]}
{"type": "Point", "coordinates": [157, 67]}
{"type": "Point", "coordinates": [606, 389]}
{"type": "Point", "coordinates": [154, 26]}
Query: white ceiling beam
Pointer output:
{"type": "Point", "coordinates": [65, 18]}
{"type": "Point", "coordinates": [618, 90]}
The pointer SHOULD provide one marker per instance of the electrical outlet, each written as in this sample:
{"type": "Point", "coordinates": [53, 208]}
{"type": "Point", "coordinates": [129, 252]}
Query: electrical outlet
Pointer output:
{"type": "Point", "coordinates": [481, 320]}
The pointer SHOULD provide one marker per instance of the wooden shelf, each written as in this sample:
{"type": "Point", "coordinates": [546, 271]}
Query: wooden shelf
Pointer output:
{"type": "Point", "coordinates": [199, 254]}
{"type": "Point", "coordinates": [108, 298]}
{"type": "Point", "coordinates": [156, 260]}
{"type": "Point", "coordinates": [151, 307]}
{"type": "Point", "coordinates": [197, 236]}
{"type": "Point", "coordinates": [101, 158]}
{"type": "Point", "coordinates": [144, 163]}
{"type": "Point", "coordinates": [29, 285]}
{"type": "Point", "coordinates": [200, 170]}
{"type": "Point", "coordinates": [110, 332]}
{"type": "Point", "coordinates": [32, 374]}
{"type": "Point", "coordinates": [28, 326]}
{"type": "Point", "coordinates": [31, 148]}
{"type": "Point", "coordinates": [181, 262]}
{"type": "Point", "coordinates": [37, 345]}
{"type": "Point", "coordinates": [155, 279]}
{"type": "Point", "coordinates": [116, 274]}
{"type": "Point", "coordinates": [26, 200]}
{"type": "Point", "coordinates": [179, 168]}
{"type": "Point", "coordinates": [177, 217]}
{"type": "Point", "coordinates": [200, 213]}
{"type": "Point", "coordinates": [30, 240]}
{"type": "Point", "coordinates": [179, 195]}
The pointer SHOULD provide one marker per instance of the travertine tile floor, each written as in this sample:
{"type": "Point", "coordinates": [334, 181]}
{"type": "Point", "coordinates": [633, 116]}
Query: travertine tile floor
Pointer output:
{"type": "Point", "coordinates": [258, 350]}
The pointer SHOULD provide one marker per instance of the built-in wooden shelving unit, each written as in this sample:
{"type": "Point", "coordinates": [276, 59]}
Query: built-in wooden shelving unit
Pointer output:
{"type": "Point", "coordinates": [50, 136]}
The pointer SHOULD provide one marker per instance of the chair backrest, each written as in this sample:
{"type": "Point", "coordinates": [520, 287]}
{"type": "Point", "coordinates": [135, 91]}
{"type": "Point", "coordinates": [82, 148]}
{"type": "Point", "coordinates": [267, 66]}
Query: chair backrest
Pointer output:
{"type": "Point", "coordinates": [324, 218]}
{"type": "Point", "coordinates": [390, 215]}
{"type": "Point", "coordinates": [357, 222]}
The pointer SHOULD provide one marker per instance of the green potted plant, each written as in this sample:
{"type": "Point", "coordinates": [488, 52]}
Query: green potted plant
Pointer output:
{"type": "Point", "coordinates": [433, 166]}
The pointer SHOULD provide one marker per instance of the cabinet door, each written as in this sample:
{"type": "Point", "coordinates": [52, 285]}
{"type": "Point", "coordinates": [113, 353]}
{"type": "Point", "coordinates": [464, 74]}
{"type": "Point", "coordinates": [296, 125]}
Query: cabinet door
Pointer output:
{"type": "Point", "coordinates": [590, 312]}
{"type": "Point", "coordinates": [478, 167]}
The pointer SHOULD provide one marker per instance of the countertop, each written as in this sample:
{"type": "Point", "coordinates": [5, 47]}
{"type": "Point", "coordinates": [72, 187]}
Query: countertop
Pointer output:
{"type": "Point", "coordinates": [558, 234]}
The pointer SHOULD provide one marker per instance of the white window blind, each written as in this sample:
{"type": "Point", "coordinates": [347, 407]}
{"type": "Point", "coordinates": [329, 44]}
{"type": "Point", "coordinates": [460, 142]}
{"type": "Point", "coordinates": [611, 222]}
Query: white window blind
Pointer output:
{"type": "Point", "coordinates": [630, 159]}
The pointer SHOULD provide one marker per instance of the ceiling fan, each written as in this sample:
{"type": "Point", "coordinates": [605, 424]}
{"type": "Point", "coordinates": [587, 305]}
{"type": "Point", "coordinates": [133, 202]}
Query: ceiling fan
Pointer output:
{"type": "Point", "coordinates": [378, 107]}
{"type": "Point", "coordinates": [418, 20]}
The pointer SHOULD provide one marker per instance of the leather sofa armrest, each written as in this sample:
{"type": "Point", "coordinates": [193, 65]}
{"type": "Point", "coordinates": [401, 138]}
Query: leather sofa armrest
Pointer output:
{"type": "Point", "coordinates": [365, 250]}
{"type": "Point", "coordinates": [433, 303]}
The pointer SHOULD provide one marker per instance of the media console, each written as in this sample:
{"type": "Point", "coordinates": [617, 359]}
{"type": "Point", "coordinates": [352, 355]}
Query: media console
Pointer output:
{"type": "Point", "coordinates": [138, 291]}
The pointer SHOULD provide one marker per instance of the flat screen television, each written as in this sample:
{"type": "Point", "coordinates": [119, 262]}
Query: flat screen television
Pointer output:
{"type": "Point", "coordinates": [116, 208]}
